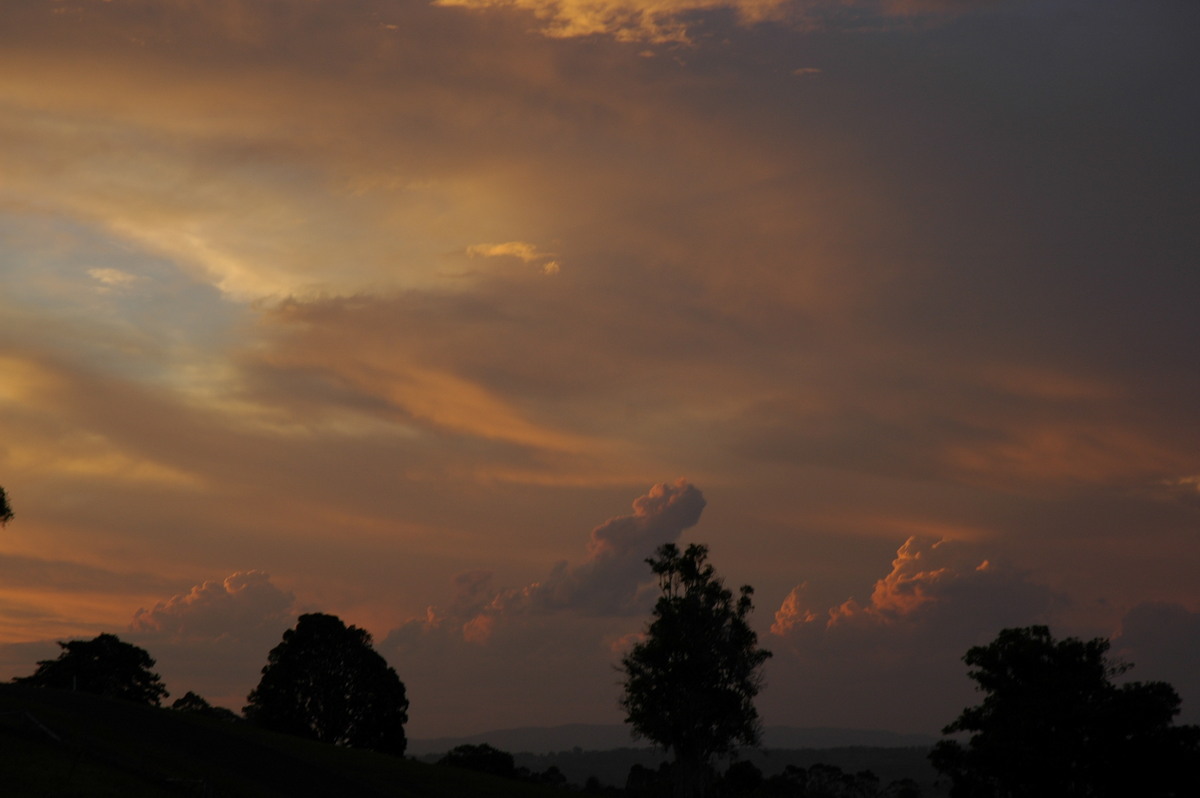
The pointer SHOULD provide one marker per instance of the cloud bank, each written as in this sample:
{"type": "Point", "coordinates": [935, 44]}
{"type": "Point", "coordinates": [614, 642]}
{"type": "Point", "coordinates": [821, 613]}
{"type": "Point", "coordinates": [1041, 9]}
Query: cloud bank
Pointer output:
{"type": "Point", "coordinates": [901, 650]}
{"type": "Point", "coordinates": [214, 639]}
{"type": "Point", "coordinates": [612, 580]}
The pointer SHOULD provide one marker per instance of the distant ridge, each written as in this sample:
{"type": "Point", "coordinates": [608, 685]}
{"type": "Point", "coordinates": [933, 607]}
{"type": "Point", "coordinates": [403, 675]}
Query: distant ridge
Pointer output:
{"type": "Point", "coordinates": [603, 737]}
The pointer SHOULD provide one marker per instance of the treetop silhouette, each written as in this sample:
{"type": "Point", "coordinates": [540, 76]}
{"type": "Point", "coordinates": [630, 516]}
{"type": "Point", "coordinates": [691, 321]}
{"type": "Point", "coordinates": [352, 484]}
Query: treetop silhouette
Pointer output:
{"type": "Point", "coordinates": [327, 683]}
{"type": "Point", "coordinates": [6, 513]}
{"type": "Point", "coordinates": [690, 684]}
{"type": "Point", "coordinates": [1053, 723]}
{"type": "Point", "coordinates": [105, 666]}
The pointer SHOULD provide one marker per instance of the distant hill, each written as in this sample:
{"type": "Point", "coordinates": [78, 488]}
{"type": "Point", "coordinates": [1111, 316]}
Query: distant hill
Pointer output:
{"type": "Point", "coordinates": [608, 752]}
{"type": "Point", "coordinates": [55, 742]}
{"type": "Point", "coordinates": [597, 737]}
{"type": "Point", "coordinates": [612, 767]}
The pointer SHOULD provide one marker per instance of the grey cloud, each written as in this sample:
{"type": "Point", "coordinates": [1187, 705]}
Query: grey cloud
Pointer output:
{"type": "Point", "coordinates": [1162, 642]}
{"type": "Point", "coordinates": [611, 581]}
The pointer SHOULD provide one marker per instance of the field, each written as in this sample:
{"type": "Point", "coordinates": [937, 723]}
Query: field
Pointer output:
{"type": "Point", "coordinates": [55, 743]}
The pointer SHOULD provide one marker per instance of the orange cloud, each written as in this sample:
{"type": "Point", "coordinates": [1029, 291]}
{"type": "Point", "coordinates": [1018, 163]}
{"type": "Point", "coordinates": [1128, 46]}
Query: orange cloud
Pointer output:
{"type": "Point", "coordinates": [478, 629]}
{"type": "Point", "coordinates": [793, 612]}
{"type": "Point", "coordinates": [658, 21]}
{"type": "Point", "coordinates": [931, 580]}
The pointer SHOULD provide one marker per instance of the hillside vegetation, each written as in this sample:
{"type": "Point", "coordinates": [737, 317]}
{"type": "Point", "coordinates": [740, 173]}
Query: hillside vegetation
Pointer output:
{"type": "Point", "coordinates": [59, 743]}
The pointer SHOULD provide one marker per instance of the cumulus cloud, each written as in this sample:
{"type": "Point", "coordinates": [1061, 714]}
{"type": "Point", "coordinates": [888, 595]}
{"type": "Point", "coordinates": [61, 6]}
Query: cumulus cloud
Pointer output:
{"type": "Point", "coordinates": [611, 580]}
{"type": "Point", "coordinates": [242, 603]}
{"type": "Point", "coordinates": [899, 653]}
{"type": "Point", "coordinates": [215, 638]}
{"type": "Point", "coordinates": [576, 620]}
{"type": "Point", "coordinates": [1162, 641]}
{"type": "Point", "coordinates": [936, 582]}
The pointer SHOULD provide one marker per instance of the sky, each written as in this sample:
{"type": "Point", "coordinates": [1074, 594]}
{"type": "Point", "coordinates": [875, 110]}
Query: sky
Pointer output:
{"type": "Point", "coordinates": [442, 316]}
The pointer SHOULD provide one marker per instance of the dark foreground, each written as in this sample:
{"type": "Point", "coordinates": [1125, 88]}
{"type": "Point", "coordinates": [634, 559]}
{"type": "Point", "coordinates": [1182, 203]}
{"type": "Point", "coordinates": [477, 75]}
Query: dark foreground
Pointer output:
{"type": "Point", "coordinates": [55, 743]}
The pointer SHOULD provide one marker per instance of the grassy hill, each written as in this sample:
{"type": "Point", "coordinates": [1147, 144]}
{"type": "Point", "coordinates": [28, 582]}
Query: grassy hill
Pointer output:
{"type": "Point", "coordinates": [56, 743]}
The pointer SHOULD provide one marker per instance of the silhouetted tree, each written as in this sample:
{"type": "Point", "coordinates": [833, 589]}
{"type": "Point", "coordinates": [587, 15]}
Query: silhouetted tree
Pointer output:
{"type": "Point", "coordinates": [481, 758]}
{"type": "Point", "coordinates": [742, 778]}
{"type": "Point", "coordinates": [690, 684]}
{"type": "Point", "coordinates": [1052, 723]}
{"type": "Point", "coordinates": [104, 666]}
{"type": "Point", "coordinates": [326, 682]}
{"type": "Point", "coordinates": [550, 777]}
{"type": "Point", "coordinates": [6, 513]}
{"type": "Point", "coordinates": [830, 781]}
{"type": "Point", "coordinates": [593, 786]}
{"type": "Point", "coordinates": [902, 788]}
{"type": "Point", "coordinates": [643, 782]}
{"type": "Point", "coordinates": [789, 783]}
{"type": "Point", "coordinates": [195, 703]}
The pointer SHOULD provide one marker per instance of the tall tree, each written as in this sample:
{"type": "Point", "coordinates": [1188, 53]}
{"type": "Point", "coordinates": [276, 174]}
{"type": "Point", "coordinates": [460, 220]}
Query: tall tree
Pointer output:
{"type": "Point", "coordinates": [6, 513]}
{"type": "Point", "coordinates": [326, 682]}
{"type": "Point", "coordinates": [1053, 723]}
{"type": "Point", "coordinates": [690, 683]}
{"type": "Point", "coordinates": [105, 666]}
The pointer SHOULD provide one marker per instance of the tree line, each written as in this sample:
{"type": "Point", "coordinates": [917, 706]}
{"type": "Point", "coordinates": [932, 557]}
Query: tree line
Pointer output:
{"type": "Point", "coordinates": [1052, 722]}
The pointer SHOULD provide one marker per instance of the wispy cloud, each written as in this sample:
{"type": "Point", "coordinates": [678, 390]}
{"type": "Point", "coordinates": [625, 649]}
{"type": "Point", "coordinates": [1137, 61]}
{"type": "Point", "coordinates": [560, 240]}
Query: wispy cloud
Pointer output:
{"type": "Point", "coordinates": [526, 252]}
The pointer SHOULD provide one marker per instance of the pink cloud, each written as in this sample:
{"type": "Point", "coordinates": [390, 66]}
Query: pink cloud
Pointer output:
{"type": "Point", "coordinates": [215, 638]}
{"type": "Point", "coordinates": [243, 602]}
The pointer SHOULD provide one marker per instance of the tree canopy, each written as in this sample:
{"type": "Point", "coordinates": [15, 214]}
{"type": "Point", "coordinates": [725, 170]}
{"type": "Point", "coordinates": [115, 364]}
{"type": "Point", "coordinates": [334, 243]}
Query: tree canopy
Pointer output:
{"type": "Point", "coordinates": [6, 513]}
{"type": "Point", "coordinates": [482, 758]}
{"type": "Point", "coordinates": [690, 683]}
{"type": "Point", "coordinates": [327, 683]}
{"type": "Point", "coordinates": [196, 704]}
{"type": "Point", "coordinates": [1053, 723]}
{"type": "Point", "coordinates": [105, 666]}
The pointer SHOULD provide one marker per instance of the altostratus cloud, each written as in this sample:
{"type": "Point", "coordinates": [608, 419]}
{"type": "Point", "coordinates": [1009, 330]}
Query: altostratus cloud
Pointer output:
{"type": "Point", "coordinates": [612, 580]}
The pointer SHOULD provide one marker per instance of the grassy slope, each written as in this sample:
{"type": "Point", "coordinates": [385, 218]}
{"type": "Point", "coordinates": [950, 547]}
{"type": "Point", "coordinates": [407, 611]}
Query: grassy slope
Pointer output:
{"type": "Point", "coordinates": [111, 748]}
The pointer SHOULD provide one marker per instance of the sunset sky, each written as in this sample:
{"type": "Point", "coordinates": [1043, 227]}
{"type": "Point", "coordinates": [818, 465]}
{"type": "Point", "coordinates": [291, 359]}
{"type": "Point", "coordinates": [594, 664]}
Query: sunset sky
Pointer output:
{"type": "Point", "coordinates": [441, 316]}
